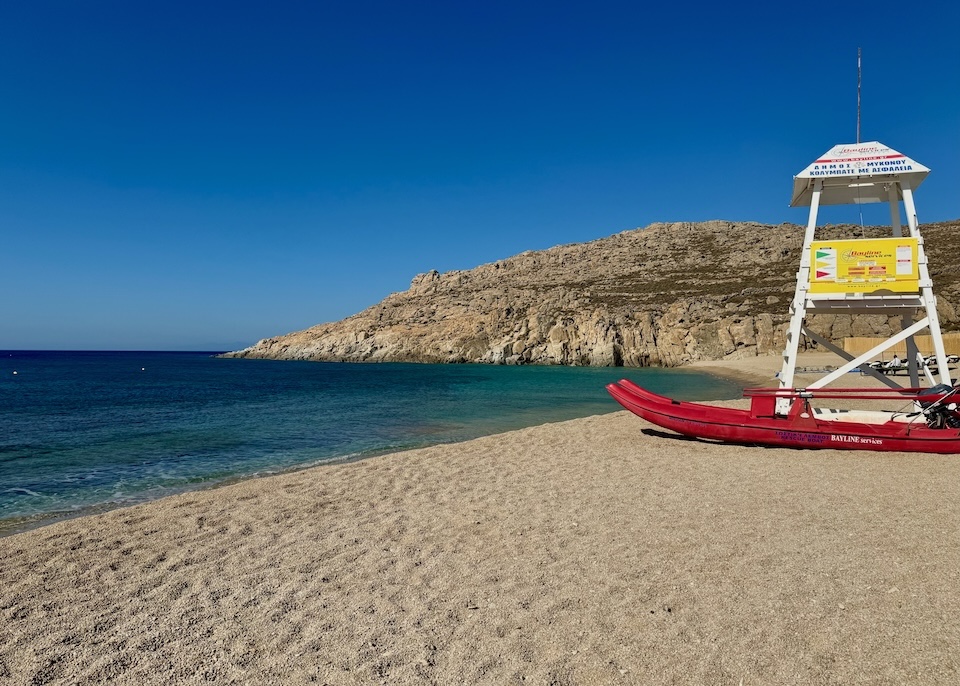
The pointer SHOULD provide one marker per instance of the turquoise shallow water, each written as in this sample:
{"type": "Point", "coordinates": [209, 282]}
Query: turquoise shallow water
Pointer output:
{"type": "Point", "coordinates": [87, 430]}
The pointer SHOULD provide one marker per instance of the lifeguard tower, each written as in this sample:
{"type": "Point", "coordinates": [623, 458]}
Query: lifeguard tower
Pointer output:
{"type": "Point", "coordinates": [887, 276]}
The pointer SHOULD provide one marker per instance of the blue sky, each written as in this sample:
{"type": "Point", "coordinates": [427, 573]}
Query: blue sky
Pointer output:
{"type": "Point", "coordinates": [201, 175]}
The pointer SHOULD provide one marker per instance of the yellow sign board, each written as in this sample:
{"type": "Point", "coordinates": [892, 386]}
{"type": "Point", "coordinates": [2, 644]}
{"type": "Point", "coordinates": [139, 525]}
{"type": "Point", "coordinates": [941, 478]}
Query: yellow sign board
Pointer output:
{"type": "Point", "coordinates": [864, 265]}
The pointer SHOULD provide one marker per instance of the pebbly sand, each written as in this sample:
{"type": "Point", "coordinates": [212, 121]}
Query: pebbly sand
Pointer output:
{"type": "Point", "coordinates": [594, 551]}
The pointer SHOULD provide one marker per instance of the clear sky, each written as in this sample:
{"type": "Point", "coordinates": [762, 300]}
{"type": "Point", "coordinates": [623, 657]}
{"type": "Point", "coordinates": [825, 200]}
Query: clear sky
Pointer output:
{"type": "Point", "coordinates": [200, 175]}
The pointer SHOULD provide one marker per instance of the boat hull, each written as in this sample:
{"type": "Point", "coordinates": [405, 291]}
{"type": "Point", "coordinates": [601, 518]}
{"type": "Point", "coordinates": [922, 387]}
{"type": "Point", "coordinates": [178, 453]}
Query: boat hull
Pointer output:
{"type": "Point", "coordinates": [799, 429]}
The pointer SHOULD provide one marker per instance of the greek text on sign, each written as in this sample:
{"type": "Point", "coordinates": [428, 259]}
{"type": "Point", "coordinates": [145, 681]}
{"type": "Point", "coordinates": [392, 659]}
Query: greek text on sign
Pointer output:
{"type": "Point", "coordinates": [864, 265]}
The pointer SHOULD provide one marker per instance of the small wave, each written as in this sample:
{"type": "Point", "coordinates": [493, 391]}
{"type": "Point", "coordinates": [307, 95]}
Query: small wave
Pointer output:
{"type": "Point", "coordinates": [22, 491]}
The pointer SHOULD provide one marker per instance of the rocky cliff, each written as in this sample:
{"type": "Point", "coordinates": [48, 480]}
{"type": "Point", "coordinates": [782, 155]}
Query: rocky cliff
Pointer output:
{"type": "Point", "coordinates": [664, 295]}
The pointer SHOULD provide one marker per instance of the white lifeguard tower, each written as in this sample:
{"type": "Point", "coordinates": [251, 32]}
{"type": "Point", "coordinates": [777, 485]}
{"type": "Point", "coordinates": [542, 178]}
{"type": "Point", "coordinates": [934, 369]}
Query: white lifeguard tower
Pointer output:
{"type": "Point", "coordinates": [886, 276]}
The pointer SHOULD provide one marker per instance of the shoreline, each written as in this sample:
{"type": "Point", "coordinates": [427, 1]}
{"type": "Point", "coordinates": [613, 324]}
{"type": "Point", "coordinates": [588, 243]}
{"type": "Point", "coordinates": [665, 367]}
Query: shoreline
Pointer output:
{"type": "Point", "coordinates": [751, 372]}
{"type": "Point", "coordinates": [754, 371]}
{"type": "Point", "coordinates": [12, 525]}
{"type": "Point", "coordinates": [747, 372]}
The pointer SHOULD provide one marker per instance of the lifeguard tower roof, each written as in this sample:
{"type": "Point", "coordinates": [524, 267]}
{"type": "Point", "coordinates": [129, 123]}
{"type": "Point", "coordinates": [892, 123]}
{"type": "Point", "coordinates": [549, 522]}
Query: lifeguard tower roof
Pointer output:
{"type": "Point", "coordinates": [858, 173]}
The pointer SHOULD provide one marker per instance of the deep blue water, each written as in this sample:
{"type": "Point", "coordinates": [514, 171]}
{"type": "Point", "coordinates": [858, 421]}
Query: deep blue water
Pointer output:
{"type": "Point", "coordinates": [82, 430]}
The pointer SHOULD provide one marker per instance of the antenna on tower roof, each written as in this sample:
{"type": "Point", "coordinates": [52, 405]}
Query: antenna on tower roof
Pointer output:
{"type": "Point", "coordinates": [858, 96]}
{"type": "Point", "coordinates": [859, 206]}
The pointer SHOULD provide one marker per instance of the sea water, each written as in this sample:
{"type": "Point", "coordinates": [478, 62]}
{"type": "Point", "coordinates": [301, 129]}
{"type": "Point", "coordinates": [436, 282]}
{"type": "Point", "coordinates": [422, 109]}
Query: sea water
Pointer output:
{"type": "Point", "coordinates": [82, 431]}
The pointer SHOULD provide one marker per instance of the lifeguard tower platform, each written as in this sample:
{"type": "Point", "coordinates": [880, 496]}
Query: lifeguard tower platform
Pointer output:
{"type": "Point", "coordinates": [886, 276]}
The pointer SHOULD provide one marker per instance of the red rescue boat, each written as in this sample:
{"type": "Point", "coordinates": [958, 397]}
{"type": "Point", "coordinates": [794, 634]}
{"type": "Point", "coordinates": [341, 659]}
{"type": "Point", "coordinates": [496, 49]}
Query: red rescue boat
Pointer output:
{"type": "Point", "coordinates": [932, 424]}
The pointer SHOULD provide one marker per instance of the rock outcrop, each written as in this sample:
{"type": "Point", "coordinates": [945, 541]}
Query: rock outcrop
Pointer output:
{"type": "Point", "coordinates": [664, 295]}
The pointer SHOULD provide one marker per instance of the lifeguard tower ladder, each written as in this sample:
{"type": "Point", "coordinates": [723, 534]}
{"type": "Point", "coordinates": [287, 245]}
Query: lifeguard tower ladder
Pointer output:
{"type": "Point", "coordinates": [885, 276]}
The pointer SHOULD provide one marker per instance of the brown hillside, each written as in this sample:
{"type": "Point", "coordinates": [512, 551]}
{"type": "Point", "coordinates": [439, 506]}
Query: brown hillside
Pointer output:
{"type": "Point", "coordinates": [664, 295]}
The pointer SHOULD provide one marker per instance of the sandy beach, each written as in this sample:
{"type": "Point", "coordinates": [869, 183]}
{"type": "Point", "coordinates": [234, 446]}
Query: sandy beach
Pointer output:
{"type": "Point", "coordinates": [593, 551]}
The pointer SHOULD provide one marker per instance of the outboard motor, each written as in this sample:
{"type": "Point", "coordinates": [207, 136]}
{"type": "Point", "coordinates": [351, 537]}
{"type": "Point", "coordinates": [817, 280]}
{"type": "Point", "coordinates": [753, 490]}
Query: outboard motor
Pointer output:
{"type": "Point", "coordinates": [940, 412]}
{"type": "Point", "coordinates": [939, 389]}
